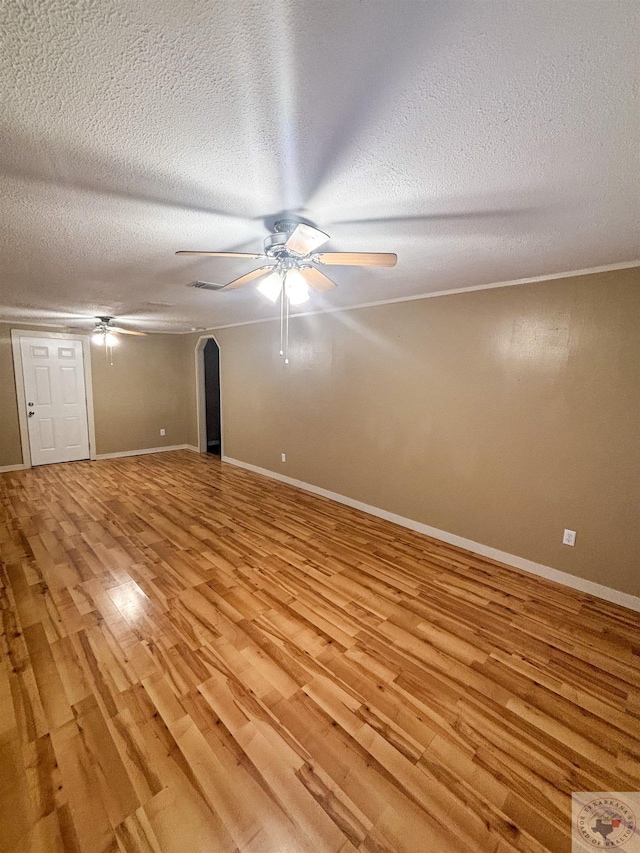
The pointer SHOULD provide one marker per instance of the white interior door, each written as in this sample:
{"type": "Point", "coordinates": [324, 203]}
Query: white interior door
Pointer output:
{"type": "Point", "coordinates": [56, 400]}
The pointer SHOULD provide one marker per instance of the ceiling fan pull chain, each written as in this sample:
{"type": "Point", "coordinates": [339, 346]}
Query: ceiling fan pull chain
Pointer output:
{"type": "Point", "coordinates": [286, 329]}
{"type": "Point", "coordinates": [286, 325]}
{"type": "Point", "coordinates": [282, 321]}
{"type": "Point", "coordinates": [108, 351]}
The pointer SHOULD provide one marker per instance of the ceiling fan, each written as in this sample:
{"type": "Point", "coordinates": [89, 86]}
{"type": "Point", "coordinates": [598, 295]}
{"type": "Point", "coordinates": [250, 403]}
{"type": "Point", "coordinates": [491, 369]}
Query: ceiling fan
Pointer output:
{"type": "Point", "coordinates": [106, 334]}
{"type": "Point", "coordinates": [292, 263]}
{"type": "Point", "coordinates": [103, 327]}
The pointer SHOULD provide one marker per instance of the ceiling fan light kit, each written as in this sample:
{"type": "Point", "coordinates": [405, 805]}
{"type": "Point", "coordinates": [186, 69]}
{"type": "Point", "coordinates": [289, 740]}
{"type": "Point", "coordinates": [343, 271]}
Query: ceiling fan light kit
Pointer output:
{"type": "Point", "coordinates": [296, 287]}
{"type": "Point", "coordinates": [291, 267]}
{"type": "Point", "coordinates": [100, 337]}
{"type": "Point", "coordinates": [106, 335]}
{"type": "Point", "coordinates": [270, 286]}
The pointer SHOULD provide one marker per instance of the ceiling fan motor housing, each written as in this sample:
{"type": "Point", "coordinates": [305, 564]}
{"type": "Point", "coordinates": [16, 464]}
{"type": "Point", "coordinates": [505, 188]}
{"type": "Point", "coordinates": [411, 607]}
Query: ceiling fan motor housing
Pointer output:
{"type": "Point", "coordinates": [275, 244]}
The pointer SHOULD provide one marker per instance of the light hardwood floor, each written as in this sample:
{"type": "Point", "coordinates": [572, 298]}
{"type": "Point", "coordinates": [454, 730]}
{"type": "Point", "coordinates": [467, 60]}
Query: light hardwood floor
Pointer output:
{"type": "Point", "coordinates": [196, 658]}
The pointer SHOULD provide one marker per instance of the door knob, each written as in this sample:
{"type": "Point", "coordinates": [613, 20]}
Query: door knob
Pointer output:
{"type": "Point", "coordinates": [30, 414]}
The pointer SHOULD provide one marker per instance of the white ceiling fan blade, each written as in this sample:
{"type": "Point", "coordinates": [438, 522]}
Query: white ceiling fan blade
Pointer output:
{"type": "Point", "coordinates": [306, 239]}
{"type": "Point", "coordinates": [357, 259]}
{"type": "Point", "coordinates": [221, 254]}
{"type": "Point", "coordinates": [120, 331]}
{"type": "Point", "coordinates": [317, 279]}
{"type": "Point", "coordinates": [250, 276]}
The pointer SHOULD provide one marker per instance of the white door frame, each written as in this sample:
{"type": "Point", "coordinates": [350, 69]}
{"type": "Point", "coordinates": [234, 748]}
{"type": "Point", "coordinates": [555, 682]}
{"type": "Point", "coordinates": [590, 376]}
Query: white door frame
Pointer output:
{"type": "Point", "coordinates": [16, 336]}
{"type": "Point", "coordinates": [201, 403]}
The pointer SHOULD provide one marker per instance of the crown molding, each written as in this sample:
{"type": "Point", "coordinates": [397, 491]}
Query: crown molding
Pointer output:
{"type": "Point", "coordinates": [624, 265]}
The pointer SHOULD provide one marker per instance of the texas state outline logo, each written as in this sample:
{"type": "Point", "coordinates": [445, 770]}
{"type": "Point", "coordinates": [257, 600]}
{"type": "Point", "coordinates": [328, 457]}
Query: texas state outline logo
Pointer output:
{"type": "Point", "coordinates": [605, 821]}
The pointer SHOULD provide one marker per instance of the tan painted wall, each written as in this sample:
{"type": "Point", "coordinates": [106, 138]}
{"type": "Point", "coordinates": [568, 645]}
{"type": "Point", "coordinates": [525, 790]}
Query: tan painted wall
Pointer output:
{"type": "Point", "coordinates": [10, 452]}
{"type": "Point", "coordinates": [145, 390]}
{"type": "Point", "coordinates": [502, 415]}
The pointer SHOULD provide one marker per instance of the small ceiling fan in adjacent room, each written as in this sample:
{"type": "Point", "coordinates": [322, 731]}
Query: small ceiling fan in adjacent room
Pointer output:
{"type": "Point", "coordinates": [292, 264]}
{"type": "Point", "coordinates": [104, 327]}
{"type": "Point", "coordinates": [106, 334]}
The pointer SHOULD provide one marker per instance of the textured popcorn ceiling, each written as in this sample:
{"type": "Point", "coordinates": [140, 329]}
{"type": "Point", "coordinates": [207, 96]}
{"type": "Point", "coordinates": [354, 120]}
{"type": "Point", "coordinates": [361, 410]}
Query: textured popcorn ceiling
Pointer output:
{"type": "Point", "coordinates": [481, 141]}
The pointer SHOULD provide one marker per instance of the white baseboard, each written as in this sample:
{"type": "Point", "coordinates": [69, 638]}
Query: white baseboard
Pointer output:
{"type": "Point", "coordinates": [598, 590]}
{"type": "Point", "coordinates": [147, 450]}
{"type": "Point", "coordinates": [6, 468]}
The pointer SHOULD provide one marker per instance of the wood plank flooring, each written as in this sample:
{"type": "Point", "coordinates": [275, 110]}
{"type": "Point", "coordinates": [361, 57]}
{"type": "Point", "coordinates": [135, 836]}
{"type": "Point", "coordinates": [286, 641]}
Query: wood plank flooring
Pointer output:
{"type": "Point", "coordinates": [195, 658]}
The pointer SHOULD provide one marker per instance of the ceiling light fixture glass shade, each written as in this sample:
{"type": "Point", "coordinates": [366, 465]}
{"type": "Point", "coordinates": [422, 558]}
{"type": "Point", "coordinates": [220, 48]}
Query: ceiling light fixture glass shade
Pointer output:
{"type": "Point", "coordinates": [107, 339]}
{"type": "Point", "coordinates": [101, 336]}
{"type": "Point", "coordinates": [271, 286]}
{"type": "Point", "coordinates": [291, 288]}
{"type": "Point", "coordinates": [297, 288]}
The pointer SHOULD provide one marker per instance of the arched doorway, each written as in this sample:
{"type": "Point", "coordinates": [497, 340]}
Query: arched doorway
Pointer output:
{"type": "Point", "coordinates": [209, 396]}
{"type": "Point", "coordinates": [211, 355]}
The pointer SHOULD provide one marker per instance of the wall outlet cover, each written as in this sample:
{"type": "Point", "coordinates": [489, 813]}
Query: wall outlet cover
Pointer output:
{"type": "Point", "coordinates": [284, 457]}
{"type": "Point", "coordinates": [162, 432]}
{"type": "Point", "coordinates": [569, 537]}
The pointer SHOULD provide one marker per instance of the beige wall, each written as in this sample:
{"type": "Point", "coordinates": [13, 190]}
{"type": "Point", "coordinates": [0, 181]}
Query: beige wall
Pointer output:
{"type": "Point", "coordinates": [501, 415]}
{"type": "Point", "coordinates": [10, 451]}
{"type": "Point", "coordinates": [145, 390]}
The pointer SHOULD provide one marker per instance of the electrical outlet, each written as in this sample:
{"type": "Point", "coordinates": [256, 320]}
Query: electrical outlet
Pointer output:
{"type": "Point", "coordinates": [569, 537]}
{"type": "Point", "coordinates": [162, 432]}
{"type": "Point", "coordinates": [284, 457]}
